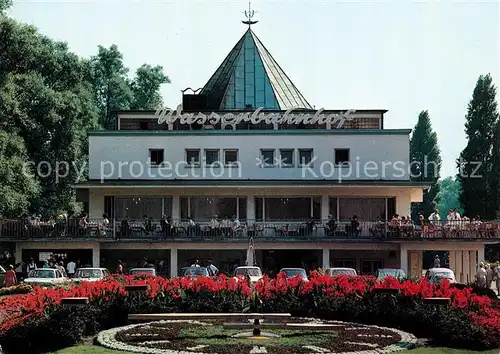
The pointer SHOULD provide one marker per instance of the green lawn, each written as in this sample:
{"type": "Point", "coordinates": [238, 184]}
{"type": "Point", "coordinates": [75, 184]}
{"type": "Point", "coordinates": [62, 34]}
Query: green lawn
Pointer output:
{"type": "Point", "coordinates": [92, 349]}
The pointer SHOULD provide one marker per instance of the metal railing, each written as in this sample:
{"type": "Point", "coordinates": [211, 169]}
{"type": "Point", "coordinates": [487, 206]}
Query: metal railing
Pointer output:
{"type": "Point", "coordinates": [281, 230]}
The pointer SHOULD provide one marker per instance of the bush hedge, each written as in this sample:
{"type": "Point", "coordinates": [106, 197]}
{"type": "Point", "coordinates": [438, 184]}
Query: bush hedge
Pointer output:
{"type": "Point", "coordinates": [37, 322]}
{"type": "Point", "coordinates": [16, 289]}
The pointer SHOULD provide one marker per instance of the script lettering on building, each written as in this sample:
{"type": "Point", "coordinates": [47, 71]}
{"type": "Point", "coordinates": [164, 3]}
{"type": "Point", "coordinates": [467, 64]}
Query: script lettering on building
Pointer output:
{"type": "Point", "coordinates": [336, 120]}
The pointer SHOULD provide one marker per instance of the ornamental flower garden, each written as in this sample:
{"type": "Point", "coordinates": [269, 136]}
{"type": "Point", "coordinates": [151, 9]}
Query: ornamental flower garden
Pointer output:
{"type": "Point", "coordinates": [37, 322]}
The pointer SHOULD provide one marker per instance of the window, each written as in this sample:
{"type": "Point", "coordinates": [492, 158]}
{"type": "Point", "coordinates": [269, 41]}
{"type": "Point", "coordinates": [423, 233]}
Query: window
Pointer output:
{"type": "Point", "coordinates": [230, 157]}
{"type": "Point", "coordinates": [211, 157]}
{"type": "Point", "coordinates": [286, 157]}
{"type": "Point", "coordinates": [156, 156]}
{"type": "Point", "coordinates": [267, 157]}
{"type": "Point", "coordinates": [305, 157]}
{"type": "Point", "coordinates": [193, 157]}
{"type": "Point", "coordinates": [341, 156]}
{"type": "Point", "coordinates": [144, 125]}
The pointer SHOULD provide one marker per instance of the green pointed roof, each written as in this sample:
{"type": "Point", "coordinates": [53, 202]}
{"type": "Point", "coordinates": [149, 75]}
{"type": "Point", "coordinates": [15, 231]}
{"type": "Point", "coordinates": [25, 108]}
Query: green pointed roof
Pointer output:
{"type": "Point", "coordinates": [249, 76]}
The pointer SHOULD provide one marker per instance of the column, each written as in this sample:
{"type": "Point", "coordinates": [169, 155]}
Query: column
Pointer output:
{"type": "Point", "coordinates": [326, 258]}
{"type": "Point", "coordinates": [173, 262]}
{"type": "Point", "coordinates": [176, 208]}
{"type": "Point", "coordinates": [325, 207]}
{"type": "Point", "coordinates": [250, 208]}
{"type": "Point", "coordinates": [480, 255]}
{"type": "Point", "coordinates": [96, 256]}
{"type": "Point", "coordinates": [466, 266]}
{"type": "Point", "coordinates": [403, 253]}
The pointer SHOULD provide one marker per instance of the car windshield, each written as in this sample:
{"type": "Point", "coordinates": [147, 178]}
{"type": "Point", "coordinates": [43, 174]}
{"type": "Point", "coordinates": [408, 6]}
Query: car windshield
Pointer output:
{"type": "Point", "coordinates": [196, 271]}
{"type": "Point", "coordinates": [443, 275]}
{"type": "Point", "coordinates": [88, 273]}
{"type": "Point", "coordinates": [253, 272]}
{"type": "Point", "coordinates": [397, 273]}
{"type": "Point", "coordinates": [342, 272]}
{"type": "Point", "coordinates": [290, 273]}
{"type": "Point", "coordinates": [42, 273]}
{"type": "Point", "coordinates": [137, 271]}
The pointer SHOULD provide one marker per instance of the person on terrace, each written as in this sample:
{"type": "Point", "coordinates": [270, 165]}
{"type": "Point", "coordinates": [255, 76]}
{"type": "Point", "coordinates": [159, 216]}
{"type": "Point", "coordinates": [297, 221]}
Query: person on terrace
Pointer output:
{"type": "Point", "coordinates": [10, 277]}
{"type": "Point", "coordinates": [437, 262]}
{"type": "Point", "coordinates": [355, 226]}
{"type": "Point", "coordinates": [434, 218]}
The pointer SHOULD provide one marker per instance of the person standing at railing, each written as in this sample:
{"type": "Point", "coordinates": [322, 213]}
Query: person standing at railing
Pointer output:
{"type": "Point", "coordinates": [331, 225]}
{"type": "Point", "coordinates": [434, 218]}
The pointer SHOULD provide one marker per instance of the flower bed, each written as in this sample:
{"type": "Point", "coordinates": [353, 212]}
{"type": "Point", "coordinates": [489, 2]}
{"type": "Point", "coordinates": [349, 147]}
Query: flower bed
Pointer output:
{"type": "Point", "coordinates": [37, 322]}
{"type": "Point", "coordinates": [181, 336]}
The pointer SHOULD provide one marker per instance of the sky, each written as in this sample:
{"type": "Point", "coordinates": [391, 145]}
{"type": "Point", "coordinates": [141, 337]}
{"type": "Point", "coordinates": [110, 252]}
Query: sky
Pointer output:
{"type": "Point", "coordinates": [404, 56]}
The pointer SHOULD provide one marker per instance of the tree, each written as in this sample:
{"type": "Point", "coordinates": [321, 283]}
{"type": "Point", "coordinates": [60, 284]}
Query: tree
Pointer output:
{"type": "Point", "coordinates": [110, 83]}
{"type": "Point", "coordinates": [449, 192]}
{"type": "Point", "coordinates": [146, 87]}
{"type": "Point", "coordinates": [494, 182]}
{"type": "Point", "coordinates": [48, 102]}
{"type": "Point", "coordinates": [18, 185]}
{"type": "Point", "coordinates": [475, 163]}
{"type": "Point", "coordinates": [4, 5]}
{"type": "Point", "coordinates": [425, 158]}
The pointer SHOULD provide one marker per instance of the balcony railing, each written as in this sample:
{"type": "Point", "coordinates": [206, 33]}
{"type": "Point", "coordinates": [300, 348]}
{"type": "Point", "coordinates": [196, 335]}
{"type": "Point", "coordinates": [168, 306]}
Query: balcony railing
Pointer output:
{"type": "Point", "coordinates": [178, 230]}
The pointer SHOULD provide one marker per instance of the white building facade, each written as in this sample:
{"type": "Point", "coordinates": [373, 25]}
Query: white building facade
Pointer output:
{"type": "Point", "coordinates": [249, 150]}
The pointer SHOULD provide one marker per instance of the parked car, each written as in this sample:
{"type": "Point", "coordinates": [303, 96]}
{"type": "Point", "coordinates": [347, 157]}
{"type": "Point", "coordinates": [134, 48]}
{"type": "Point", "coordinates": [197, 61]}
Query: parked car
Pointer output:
{"type": "Point", "coordinates": [341, 271]}
{"type": "Point", "coordinates": [383, 273]}
{"type": "Point", "coordinates": [90, 274]}
{"type": "Point", "coordinates": [292, 272]}
{"type": "Point", "coordinates": [148, 271]}
{"type": "Point", "coordinates": [255, 273]}
{"type": "Point", "coordinates": [195, 272]}
{"type": "Point", "coordinates": [2, 276]}
{"type": "Point", "coordinates": [436, 275]}
{"type": "Point", "coordinates": [46, 276]}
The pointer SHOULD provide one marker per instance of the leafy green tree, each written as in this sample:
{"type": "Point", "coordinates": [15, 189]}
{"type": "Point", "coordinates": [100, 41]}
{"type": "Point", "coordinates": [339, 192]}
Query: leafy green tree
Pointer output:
{"type": "Point", "coordinates": [425, 158]}
{"type": "Point", "coordinates": [476, 159]}
{"type": "Point", "coordinates": [48, 102]}
{"type": "Point", "coordinates": [495, 173]}
{"type": "Point", "coordinates": [18, 185]}
{"type": "Point", "coordinates": [449, 192]}
{"type": "Point", "coordinates": [146, 87]}
{"type": "Point", "coordinates": [110, 82]}
{"type": "Point", "coordinates": [5, 5]}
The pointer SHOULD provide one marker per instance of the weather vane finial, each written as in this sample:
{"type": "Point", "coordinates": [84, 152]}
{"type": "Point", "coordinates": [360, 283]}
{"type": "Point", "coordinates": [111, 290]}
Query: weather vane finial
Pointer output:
{"type": "Point", "coordinates": [249, 15]}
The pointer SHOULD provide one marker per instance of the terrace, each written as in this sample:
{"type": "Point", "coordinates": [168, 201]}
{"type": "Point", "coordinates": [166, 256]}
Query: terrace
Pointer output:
{"type": "Point", "coordinates": [230, 230]}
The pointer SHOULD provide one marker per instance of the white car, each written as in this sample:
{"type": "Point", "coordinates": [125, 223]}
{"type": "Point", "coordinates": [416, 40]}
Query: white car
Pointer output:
{"type": "Point", "coordinates": [90, 274]}
{"type": "Point", "coordinates": [341, 271]}
{"type": "Point", "coordinates": [253, 272]}
{"type": "Point", "coordinates": [46, 276]}
{"type": "Point", "coordinates": [436, 275]}
{"type": "Point", "coordinates": [292, 272]}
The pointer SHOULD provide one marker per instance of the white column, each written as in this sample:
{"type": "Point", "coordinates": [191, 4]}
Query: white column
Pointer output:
{"type": "Point", "coordinates": [176, 208]}
{"type": "Point", "coordinates": [326, 258]}
{"type": "Point", "coordinates": [250, 208]}
{"type": "Point", "coordinates": [173, 262]}
{"type": "Point", "coordinates": [480, 256]}
{"type": "Point", "coordinates": [96, 256]}
{"type": "Point", "coordinates": [325, 207]}
{"type": "Point", "coordinates": [403, 253]}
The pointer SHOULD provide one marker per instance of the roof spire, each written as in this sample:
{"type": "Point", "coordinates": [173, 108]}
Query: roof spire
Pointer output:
{"type": "Point", "coordinates": [249, 15]}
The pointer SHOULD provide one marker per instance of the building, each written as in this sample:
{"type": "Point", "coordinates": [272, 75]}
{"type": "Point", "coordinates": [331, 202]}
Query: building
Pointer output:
{"type": "Point", "coordinates": [249, 146]}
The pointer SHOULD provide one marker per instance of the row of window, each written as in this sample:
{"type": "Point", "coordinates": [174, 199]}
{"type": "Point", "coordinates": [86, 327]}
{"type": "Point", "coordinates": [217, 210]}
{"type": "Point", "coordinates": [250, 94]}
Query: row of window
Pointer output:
{"type": "Point", "coordinates": [268, 157]}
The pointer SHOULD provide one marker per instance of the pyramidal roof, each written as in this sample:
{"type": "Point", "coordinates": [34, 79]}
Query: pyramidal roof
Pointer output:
{"type": "Point", "coordinates": [249, 77]}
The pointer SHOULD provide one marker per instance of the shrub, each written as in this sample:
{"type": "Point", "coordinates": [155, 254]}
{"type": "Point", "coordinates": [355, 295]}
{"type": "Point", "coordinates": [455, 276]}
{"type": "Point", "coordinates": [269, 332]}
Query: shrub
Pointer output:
{"type": "Point", "coordinates": [36, 322]}
{"type": "Point", "coordinates": [16, 289]}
